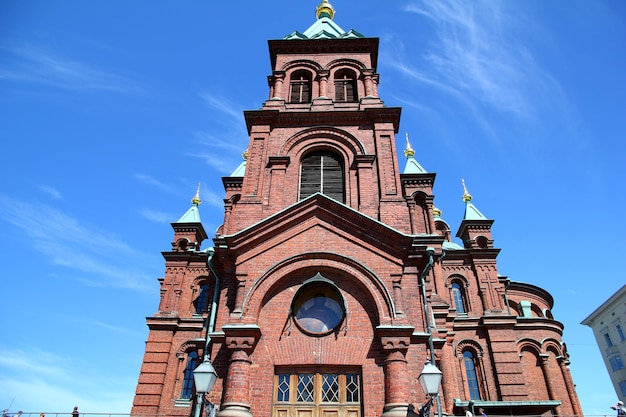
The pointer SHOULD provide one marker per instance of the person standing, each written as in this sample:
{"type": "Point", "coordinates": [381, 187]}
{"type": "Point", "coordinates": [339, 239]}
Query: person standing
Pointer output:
{"type": "Point", "coordinates": [75, 412]}
{"type": "Point", "coordinates": [482, 413]}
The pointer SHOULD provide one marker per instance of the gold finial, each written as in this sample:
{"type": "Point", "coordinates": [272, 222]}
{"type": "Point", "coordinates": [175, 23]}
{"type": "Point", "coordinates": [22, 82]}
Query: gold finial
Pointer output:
{"type": "Point", "coordinates": [325, 10]}
{"type": "Point", "coordinates": [466, 196]}
{"type": "Point", "coordinates": [196, 198]}
{"type": "Point", "coordinates": [408, 152]}
{"type": "Point", "coordinates": [244, 155]}
{"type": "Point", "coordinates": [436, 212]}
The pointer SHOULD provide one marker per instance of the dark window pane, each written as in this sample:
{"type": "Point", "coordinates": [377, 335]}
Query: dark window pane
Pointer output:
{"type": "Point", "coordinates": [192, 360]}
{"type": "Point", "coordinates": [472, 378]}
{"type": "Point", "coordinates": [322, 172]}
{"type": "Point", "coordinates": [203, 299]}
{"type": "Point", "coordinates": [283, 388]}
{"type": "Point", "coordinates": [305, 388]}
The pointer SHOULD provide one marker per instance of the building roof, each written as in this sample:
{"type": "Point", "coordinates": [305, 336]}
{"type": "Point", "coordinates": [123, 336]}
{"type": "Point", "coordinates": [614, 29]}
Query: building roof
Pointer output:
{"type": "Point", "coordinates": [471, 212]}
{"type": "Point", "coordinates": [324, 27]}
{"type": "Point", "coordinates": [412, 166]}
{"type": "Point", "coordinates": [241, 169]}
{"type": "Point", "coordinates": [192, 215]}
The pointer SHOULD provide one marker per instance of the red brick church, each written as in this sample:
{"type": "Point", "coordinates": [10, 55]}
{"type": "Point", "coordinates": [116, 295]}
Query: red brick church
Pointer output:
{"type": "Point", "coordinates": [334, 278]}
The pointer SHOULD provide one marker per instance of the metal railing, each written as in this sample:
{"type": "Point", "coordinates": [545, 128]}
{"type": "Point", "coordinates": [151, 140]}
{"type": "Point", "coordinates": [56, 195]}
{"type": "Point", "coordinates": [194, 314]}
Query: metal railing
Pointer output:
{"type": "Point", "coordinates": [69, 414]}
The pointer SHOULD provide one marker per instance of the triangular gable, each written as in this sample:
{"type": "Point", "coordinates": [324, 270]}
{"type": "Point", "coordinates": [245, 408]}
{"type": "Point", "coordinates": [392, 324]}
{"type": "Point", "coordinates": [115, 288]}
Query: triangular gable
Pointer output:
{"type": "Point", "coordinates": [331, 214]}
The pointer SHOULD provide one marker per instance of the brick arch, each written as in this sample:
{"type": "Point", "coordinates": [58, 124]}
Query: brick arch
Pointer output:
{"type": "Point", "coordinates": [529, 345]}
{"type": "Point", "coordinates": [462, 345]}
{"type": "Point", "coordinates": [456, 277]}
{"type": "Point", "coordinates": [197, 281]}
{"type": "Point", "coordinates": [345, 63]}
{"type": "Point", "coordinates": [188, 346]}
{"type": "Point", "coordinates": [302, 265]}
{"type": "Point", "coordinates": [302, 64]}
{"type": "Point", "coordinates": [552, 345]}
{"type": "Point", "coordinates": [326, 136]}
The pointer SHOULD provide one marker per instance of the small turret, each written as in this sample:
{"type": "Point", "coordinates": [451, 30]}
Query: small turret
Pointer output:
{"type": "Point", "coordinates": [475, 229]}
{"type": "Point", "coordinates": [188, 230]}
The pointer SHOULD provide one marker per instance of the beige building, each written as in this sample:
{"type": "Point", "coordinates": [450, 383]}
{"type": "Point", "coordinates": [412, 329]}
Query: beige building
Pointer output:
{"type": "Point", "coordinates": [609, 326]}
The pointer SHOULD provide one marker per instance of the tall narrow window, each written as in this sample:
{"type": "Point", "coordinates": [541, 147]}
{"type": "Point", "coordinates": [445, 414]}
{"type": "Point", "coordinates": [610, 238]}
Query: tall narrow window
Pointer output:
{"type": "Point", "coordinates": [345, 86]}
{"type": "Point", "coordinates": [192, 361]}
{"type": "Point", "coordinates": [322, 172]}
{"type": "Point", "coordinates": [203, 299]}
{"type": "Point", "coordinates": [607, 339]}
{"type": "Point", "coordinates": [616, 363]}
{"type": "Point", "coordinates": [300, 85]}
{"type": "Point", "coordinates": [305, 388]}
{"type": "Point", "coordinates": [282, 388]}
{"type": "Point", "coordinates": [472, 376]}
{"type": "Point", "coordinates": [620, 332]}
{"type": "Point", "coordinates": [457, 295]}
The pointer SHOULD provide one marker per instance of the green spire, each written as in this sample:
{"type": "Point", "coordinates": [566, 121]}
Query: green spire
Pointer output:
{"type": "Point", "coordinates": [192, 215]}
{"type": "Point", "coordinates": [471, 212]}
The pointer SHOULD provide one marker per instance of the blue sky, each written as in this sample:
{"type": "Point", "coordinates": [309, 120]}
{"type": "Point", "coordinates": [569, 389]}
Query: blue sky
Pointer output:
{"type": "Point", "coordinates": [111, 112]}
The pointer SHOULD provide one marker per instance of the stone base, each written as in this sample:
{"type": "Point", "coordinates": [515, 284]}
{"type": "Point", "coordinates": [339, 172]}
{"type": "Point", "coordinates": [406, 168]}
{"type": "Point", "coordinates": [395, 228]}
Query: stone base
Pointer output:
{"type": "Point", "coordinates": [399, 410]}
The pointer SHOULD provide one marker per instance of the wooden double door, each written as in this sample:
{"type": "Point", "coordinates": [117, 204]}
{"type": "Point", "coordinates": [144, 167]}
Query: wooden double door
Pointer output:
{"type": "Point", "coordinates": [319, 392]}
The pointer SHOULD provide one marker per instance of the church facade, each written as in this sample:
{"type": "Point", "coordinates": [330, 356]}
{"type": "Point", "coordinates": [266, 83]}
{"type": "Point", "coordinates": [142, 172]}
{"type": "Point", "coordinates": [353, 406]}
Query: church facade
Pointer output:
{"type": "Point", "coordinates": [334, 278]}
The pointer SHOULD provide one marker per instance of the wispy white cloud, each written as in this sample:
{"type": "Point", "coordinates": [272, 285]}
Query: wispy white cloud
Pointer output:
{"type": "Point", "coordinates": [224, 106]}
{"type": "Point", "coordinates": [28, 63]}
{"type": "Point", "coordinates": [99, 258]}
{"type": "Point", "coordinates": [155, 216]}
{"type": "Point", "coordinates": [53, 383]}
{"type": "Point", "coordinates": [147, 179]}
{"type": "Point", "coordinates": [213, 199]}
{"type": "Point", "coordinates": [222, 151]}
{"type": "Point", "coordinates": [51, 191]}
{"type": "Point", "coordinates": [480, 55]}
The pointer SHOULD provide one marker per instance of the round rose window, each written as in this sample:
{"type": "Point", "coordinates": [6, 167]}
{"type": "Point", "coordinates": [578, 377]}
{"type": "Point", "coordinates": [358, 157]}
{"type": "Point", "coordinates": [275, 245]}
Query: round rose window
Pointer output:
{"type": "Point", "coordinates": [318, 309]}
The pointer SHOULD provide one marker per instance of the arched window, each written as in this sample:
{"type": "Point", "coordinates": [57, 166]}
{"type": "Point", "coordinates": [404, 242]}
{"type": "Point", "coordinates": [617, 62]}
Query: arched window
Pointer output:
{"type": "Point", "coordinates": [300, 87]}
{"type": "Point", "coordinates": [471, 374]}
{"type": "Point", "coordinates": [345, 86]}
{"type": "Point", "coordinates": [322, 172]}
{"type": "Point", "coordinates": [458, 297]}
{"type": "Point", "coordinates": [203, 299]}
{"type": "Point", "coordinates": [482, 242]}
{"type": "Point", "coordinates": [192, 361]}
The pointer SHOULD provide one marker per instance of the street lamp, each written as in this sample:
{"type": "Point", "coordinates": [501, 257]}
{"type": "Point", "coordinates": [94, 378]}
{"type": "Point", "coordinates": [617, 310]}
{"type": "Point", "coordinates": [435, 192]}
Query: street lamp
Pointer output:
{"type": "Point", "coordinates": [204, 377]}
{"type": "Point", "coordinates": [430, 380]}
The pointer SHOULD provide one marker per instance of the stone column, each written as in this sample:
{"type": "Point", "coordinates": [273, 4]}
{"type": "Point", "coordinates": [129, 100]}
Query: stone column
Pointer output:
{"type": "Point", "coordinates": [323, 80]}
{"type": "Point", "coordinates": [395, 341]}
{"type": "Point", "coordinates": [279, 79]}
{"type": "Point", "coordinates": [240, 341]}
{"type": "Point", "coordinates": [368, 82]}
{"type": "Point", "coordinates": [240, 293]}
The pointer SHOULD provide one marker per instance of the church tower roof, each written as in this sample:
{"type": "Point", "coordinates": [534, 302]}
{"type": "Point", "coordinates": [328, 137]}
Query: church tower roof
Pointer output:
{"type": "Point", "coordinates": [412, 166]}
{"type": "Point", "coordinates": [471, 212]}
{"type": "Point", "coordinates": [192, 215]}
{"type": "Point", "coordinates": [241, 169]}
{"type": "Point", "coordinates": [324, 27]}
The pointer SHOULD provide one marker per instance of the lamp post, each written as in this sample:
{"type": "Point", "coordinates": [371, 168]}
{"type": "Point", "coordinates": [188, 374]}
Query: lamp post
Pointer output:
{"type": "Point", "coordinates": [430, 380]}
{"type": "Point", "coordinates": [204, 377]}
